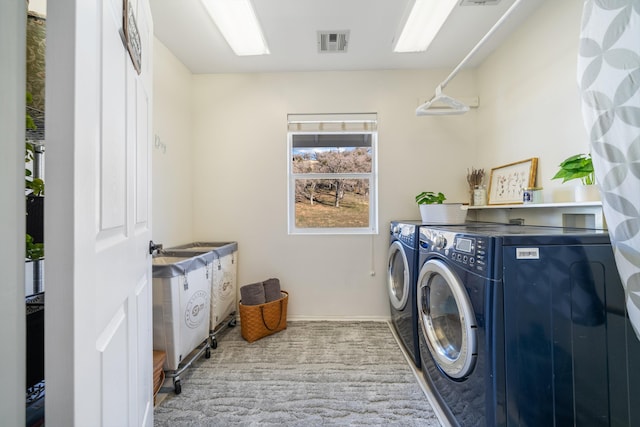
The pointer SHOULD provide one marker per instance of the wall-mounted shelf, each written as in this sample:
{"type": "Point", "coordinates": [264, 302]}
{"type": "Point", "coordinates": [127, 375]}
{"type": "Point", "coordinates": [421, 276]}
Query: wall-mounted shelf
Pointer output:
{"type": "Point", "coordinates": [569, 214]}
{"type": "Point", "coordinates": [540, 205]}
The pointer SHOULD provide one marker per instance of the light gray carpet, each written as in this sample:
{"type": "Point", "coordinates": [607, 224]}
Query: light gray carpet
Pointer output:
{"type": "Point", "coordinates": [310, 374]}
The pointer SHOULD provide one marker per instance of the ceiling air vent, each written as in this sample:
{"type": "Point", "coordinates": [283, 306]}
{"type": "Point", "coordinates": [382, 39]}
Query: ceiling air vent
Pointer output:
{"type": "Point", "coordinates": [333, 41]}
{"type": "Point", "coordinates": [478, 2]}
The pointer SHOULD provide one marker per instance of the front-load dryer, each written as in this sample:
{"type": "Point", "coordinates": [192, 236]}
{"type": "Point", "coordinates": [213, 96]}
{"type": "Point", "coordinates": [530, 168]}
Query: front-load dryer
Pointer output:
{"type": "Point", "coordinates": [525, 325]}
{"type": "Point", "coordinates": [458, 306]}
{"type": "Point", "coordinates": [402, 269]}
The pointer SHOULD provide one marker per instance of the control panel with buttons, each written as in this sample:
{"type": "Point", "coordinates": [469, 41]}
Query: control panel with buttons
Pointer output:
{"type": "Point", "coordinates": [468, 251]}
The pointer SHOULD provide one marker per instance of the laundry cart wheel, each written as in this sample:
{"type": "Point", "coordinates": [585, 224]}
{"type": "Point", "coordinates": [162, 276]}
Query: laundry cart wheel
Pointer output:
{"type": "Point", "coordinates": [232, 322]}
{"type": "Point", "coordinates": [177, 386]}
{"type": "Point", "coordinates": [207, 353]}
{"type": "Point", "coordinates": [214, 343]}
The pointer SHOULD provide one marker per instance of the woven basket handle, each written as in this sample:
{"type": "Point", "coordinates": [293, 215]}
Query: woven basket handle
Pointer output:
{"type": "Point", "coordinates": [264, 321]}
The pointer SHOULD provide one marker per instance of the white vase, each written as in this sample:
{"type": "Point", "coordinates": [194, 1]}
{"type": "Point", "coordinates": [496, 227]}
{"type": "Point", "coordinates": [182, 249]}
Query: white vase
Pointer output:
{"type": "Point", "coordinates": [587, 193]}
{"type": "Point", "coordinates": [445, 213]}
{"type": "Point", "coordinates": [479, 195]}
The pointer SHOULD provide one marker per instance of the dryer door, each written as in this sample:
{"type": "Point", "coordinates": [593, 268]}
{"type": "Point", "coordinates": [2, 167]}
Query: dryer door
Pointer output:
{"type": "Point", "coordinates": [398, 276]}
{"type": "Point", "coordinates": [447, 321]}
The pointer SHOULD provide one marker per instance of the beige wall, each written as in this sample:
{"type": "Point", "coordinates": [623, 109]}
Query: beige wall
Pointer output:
{"type": "Point", "coordinates": [529, 96]}
{"type": "Point", "coordinates": [172, 149]}
{"type": "Point", "coordinates": [240, 185]}
{"type": "Point", "coordinates": [233, 128]}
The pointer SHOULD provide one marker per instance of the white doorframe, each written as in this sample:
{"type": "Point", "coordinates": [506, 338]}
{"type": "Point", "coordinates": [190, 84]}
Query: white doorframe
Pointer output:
{"type": "Point", "coordinates": [13, 15]}
{"type": "Point", "coordinates": [59, 237]}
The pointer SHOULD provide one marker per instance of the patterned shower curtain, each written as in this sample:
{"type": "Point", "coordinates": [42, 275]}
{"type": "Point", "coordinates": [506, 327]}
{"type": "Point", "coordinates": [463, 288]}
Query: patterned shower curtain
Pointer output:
{"type": "Point", "coordinates": [609, 80]}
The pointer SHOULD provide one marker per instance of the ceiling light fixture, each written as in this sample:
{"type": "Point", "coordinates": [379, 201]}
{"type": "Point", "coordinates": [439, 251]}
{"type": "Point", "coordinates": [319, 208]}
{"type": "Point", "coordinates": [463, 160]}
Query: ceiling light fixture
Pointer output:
{"type": "Point", "coordinates": [239, 25]}
{"type": "Point", "coordinates": [423, 24]}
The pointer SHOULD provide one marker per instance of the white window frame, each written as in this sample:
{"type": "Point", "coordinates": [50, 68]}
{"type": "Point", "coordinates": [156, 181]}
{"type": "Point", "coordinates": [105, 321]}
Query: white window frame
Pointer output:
{"type": "Point", "coordinates": [337, 124]}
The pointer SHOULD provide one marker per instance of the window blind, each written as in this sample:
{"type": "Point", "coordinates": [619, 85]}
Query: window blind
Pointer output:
{"type": "Point", "coordinates": [356, 122]}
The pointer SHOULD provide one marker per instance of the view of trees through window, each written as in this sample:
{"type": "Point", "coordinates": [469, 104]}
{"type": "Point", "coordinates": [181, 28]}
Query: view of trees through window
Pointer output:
{"type": "Point", "coordinates": [336, 202]}
{"type": "Point", "coordinates": [332, 173]}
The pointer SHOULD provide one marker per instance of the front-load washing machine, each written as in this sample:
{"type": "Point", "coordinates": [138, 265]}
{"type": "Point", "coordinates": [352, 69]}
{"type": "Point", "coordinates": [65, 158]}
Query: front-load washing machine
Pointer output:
{"type": "Point", "coordinates": [524, 325]}
{"type": "Point", "coordinates": [402, 270]}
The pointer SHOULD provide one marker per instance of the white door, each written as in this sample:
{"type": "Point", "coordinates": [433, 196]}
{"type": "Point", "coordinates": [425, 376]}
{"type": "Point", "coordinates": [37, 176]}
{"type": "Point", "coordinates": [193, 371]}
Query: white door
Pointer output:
{"type": "Point", "coordinates": [98, 343]}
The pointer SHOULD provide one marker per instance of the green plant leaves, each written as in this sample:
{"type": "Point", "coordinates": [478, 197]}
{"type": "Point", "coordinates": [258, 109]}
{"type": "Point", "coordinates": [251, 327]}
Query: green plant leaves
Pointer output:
{"type": "Point", "coordinates": [429, 198]}
{"type": "Point", "coordinates": [579, 166]}
{"type": "Point", "coordinates": [36, 185]}
{"type": "Point", "coordinates": [33, 250]}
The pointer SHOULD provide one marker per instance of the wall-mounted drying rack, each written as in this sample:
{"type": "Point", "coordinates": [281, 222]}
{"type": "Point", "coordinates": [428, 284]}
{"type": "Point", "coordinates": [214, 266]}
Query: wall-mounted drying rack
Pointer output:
{"type": "Point", "coordinates": [441, 104]}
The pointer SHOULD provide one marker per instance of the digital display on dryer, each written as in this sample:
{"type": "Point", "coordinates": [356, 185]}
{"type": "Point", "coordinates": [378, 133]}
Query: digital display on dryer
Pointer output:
{"type": "Point", "coordinates": [464, 245]}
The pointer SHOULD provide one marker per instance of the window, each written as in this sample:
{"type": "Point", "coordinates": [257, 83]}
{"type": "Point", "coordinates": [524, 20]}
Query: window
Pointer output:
{"type": "Point", "coordinates": [332, 174]}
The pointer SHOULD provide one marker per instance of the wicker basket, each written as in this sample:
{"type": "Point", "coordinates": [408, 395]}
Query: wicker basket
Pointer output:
{"type": "Point", "coordinates": [258, 321]}
{"type": "Point", "coordinates": [158, 374]}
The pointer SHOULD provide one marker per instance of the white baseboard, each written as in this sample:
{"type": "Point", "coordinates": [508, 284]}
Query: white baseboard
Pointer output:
{"type": "Point", "coordinates": [338, 318]}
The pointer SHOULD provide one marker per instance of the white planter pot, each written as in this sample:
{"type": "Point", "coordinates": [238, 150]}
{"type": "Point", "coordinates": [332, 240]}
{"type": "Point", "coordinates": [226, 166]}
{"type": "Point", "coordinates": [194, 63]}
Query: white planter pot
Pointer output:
{"type": "Point", "coordinates": [446, 213]}
{"type": "Point", "coordinates": [587, 193]}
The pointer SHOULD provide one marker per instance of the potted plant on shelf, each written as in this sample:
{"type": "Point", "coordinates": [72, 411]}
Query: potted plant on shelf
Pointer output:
{"type": "Point", "coordinates": [477, 191]}
{"type": "Point", "coordinates": [433, 210]}
{"type": "Point", "coordinates": [580, 166]}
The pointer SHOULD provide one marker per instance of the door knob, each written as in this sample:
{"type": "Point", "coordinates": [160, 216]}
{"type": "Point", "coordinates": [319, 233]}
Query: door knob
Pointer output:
{"type": "Point", "coordinates": [154, 247]}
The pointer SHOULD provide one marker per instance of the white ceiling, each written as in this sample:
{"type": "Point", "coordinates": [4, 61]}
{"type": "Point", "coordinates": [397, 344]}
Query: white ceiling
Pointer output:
{"type": "Point", "coordinates": [291, 26]}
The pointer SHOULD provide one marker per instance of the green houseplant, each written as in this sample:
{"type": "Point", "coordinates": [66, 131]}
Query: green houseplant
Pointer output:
{"type": "Point", "coordinates": [433, 210]}
{"type": "Point", "coordinates": [429, 198]}
{"type": "Point", "coordinates": [580, 167]}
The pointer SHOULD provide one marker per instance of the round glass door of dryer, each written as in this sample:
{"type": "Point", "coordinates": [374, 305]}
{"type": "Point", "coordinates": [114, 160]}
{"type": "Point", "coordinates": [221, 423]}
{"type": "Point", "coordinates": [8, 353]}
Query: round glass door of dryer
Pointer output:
{"type": "Point", "coordinates": [398, 276]}
{"type": "Point", "coordinates": [447, 320]}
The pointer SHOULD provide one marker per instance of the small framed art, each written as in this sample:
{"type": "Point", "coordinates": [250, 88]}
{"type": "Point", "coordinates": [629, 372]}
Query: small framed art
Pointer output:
{"type": "Point", "coordinates": [507, 183]}
{"type": "Point", "coordinates": [131, 37]}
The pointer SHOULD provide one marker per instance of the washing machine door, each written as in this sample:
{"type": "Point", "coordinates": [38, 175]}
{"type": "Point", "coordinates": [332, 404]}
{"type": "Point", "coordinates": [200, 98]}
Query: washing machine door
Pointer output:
{"type": "Point", "coordinates": [447, 320]}
{"type": "Point", "coordinates": [398, 276]}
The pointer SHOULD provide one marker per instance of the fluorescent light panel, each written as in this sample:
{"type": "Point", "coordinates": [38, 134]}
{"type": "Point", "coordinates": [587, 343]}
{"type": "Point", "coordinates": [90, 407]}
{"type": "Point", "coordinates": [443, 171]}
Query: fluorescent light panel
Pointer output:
{"type": "Point", "coordinates": [423, 24]}
{"type": "Point", "coordinates": [239, 25]}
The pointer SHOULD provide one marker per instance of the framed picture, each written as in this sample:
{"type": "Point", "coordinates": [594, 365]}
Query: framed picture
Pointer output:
{"type": "Point", "coordinates": [507, 183]}
{"type": "Point", "coordinates": [130, 35]}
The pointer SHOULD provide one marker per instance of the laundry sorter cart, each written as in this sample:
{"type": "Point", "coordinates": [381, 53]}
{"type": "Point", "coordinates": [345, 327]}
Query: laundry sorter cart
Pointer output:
{"type": "Point", "coordinates": [181, 307]}
{"type": "Point", "coordinates": [224, 288]}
